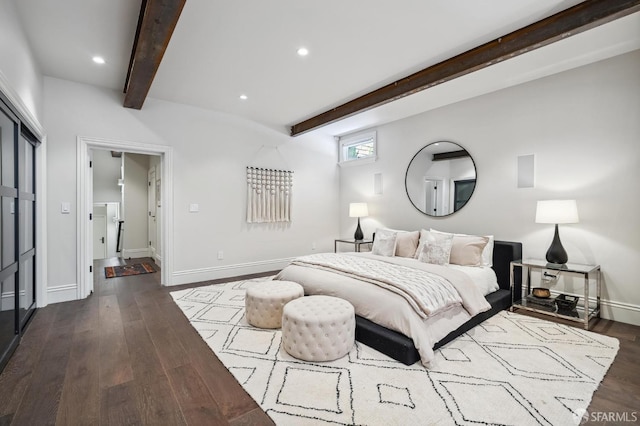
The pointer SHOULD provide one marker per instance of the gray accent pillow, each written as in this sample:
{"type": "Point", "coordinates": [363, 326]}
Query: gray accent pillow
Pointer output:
{"type": "Point", "coordinates": [385, 242]}
{"type": "Point", "coordinates": [436, 249]}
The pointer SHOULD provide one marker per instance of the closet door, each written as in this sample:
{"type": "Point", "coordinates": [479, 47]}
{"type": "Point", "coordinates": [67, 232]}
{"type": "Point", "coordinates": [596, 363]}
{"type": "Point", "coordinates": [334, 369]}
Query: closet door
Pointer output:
{"type": "Point", "coordinates": [9, 329]}
{"type": "Point", "coordinates": [26, 228]}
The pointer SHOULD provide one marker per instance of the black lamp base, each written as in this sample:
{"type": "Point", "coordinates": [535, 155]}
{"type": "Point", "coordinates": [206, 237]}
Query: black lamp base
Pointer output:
{"type": "Point", "coordinates": [358, 235]}
{"type": "Point", "coordinates": [556, 253]}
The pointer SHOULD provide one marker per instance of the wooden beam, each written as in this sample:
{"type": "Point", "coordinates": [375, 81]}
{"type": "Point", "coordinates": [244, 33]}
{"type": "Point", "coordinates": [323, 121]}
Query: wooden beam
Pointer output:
{"type": "Point", "coordinates": [158, 19]}
{"type": "Point", "coordinates": [450, 155]}
{"type": "Point", "coordinates": [572, 21]}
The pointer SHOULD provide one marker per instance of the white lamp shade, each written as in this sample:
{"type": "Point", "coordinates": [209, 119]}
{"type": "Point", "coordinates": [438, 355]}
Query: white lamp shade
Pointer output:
{"type": "Point", "coordinates": [358, 210]}
{"type": "Point", "coordinates": [557, 211]}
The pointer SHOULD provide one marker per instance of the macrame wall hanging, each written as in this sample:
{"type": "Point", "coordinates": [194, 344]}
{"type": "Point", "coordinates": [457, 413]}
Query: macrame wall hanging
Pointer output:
{"type": "Point", "coordinates": [268, 195]}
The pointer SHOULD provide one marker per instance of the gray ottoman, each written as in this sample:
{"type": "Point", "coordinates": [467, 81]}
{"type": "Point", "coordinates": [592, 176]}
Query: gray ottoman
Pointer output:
{"type": "Point", "coordinates": [264, 301]}
{"type": "Point", "coordinates": [318, 328]}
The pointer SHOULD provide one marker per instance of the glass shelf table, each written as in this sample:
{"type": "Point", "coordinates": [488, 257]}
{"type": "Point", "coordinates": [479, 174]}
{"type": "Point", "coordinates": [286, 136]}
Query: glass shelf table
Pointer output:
{"type": "Point", "coordinates": [586, 309]}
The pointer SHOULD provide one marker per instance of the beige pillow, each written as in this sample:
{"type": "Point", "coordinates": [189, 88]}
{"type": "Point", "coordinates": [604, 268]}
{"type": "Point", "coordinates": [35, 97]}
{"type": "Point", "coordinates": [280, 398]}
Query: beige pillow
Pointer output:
{"type": "Point", "coordinates": [466, 250]}
{"type": "Point", "coordinates": [487, 253]}
{"type": "Point", "coordinates": [407, 243]}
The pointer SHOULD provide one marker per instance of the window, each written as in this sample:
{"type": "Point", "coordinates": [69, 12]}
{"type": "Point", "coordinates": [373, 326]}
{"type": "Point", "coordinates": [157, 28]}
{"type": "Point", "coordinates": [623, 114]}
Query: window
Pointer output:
{"type": "Point", "coordinates": [358, 149]}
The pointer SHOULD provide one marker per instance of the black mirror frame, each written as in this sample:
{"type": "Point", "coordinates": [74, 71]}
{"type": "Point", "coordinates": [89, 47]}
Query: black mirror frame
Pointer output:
{"type": "Point", "coordinates": [406, 175]}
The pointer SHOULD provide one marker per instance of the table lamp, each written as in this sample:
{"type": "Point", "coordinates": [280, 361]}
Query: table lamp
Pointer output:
{"type": "Point", "coordinates": [358, 210]}
{"type": "Point", "coordinates": [556, 212]}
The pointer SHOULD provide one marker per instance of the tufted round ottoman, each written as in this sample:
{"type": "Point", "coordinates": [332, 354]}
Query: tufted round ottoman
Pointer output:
{"type": "Point", "coordinates": [263, 302]}
{"type": "Point", "coordinates": [318, 328]}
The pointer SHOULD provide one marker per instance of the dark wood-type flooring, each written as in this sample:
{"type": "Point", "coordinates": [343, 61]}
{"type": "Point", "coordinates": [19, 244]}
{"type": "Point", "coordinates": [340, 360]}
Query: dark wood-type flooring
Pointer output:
{"type": "Point", "coordinates": [127, 355]}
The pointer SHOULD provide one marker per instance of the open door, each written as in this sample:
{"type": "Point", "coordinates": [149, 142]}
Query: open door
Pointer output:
{"type": "Point", "coordinates": [152, 218]}
{"type": "Point", "coordinates": [99, 236]}
{"type": "Point", "coordinates": [89, 205]}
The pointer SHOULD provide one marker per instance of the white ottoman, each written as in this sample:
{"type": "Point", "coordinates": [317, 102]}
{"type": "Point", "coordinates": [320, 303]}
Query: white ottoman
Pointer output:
{"type": "Point", "coordinates": [263, 302]}
{"type": "Point", "coordinates": [318, 328]}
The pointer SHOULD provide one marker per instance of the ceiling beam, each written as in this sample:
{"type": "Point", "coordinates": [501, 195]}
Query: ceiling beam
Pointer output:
{"type": "Point", "coordinates": [157, 20]}
{"type": "Point", "coordinates": [572, 21]}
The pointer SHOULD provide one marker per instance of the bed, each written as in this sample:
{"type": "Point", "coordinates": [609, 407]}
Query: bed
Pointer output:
{"type": "Point", "coordinates": [382, 321]}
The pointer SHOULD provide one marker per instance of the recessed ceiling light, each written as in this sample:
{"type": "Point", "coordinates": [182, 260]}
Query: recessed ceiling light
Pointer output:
{"type": "Point", "coordinates": [98, 60]}
{"type": "Point", "coordinates": [303, 51]}
{"type": "Point", "coordinates": [244, 97]}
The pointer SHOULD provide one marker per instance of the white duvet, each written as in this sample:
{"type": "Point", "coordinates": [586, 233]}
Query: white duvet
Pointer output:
{"type": "Point", "coordinates": [374, 298]}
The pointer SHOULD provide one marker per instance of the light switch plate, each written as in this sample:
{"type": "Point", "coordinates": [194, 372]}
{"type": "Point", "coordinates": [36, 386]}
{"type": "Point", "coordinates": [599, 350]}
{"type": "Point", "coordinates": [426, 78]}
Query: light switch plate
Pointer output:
{"type": "Point", "coordinates": [65, 207]}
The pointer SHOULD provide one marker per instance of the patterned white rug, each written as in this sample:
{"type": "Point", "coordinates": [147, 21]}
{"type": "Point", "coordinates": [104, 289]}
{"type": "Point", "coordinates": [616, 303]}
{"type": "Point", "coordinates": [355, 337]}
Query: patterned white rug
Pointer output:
{"type": "Point", "coordinates": [510, 370]}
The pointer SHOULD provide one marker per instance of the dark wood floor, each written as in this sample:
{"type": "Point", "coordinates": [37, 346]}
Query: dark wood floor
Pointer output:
{"type": "Point", "coordinates": [127, 355]}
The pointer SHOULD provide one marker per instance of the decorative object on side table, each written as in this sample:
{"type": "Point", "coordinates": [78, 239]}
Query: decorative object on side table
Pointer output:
{"type": "Point", "coordinates": [541, 292]}
{"type": "Point", "coordinates": [358, 210]}
{"type": "Point", "coordinates": [567, 302]}
{"type": "Point", "coordinates": [556, 212]}
{"type": "Point", "coordinates": [545, 303]}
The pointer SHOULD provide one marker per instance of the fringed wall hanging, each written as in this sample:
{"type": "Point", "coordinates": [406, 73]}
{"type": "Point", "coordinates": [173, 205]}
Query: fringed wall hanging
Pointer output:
{"type": "Point", "coordinates": [268, 195]}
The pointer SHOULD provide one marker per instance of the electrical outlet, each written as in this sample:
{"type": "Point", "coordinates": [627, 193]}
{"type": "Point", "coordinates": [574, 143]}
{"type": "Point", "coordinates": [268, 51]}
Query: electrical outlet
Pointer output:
{"type": "Point", "coordinates": [220, 255]}
{"type": "Point", "coordinates": [313, 245]}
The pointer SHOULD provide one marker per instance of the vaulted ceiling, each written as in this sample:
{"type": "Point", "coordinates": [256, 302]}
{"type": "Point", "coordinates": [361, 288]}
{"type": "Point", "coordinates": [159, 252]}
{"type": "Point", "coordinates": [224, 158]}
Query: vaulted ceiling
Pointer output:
{"type": "Point", "coordinates": [221, 50]}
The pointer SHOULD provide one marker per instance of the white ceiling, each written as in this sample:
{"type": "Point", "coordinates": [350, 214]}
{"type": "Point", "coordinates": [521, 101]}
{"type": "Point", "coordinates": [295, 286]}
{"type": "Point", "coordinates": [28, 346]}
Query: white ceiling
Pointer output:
{"type": "Point", "coordinates": [221, 49]}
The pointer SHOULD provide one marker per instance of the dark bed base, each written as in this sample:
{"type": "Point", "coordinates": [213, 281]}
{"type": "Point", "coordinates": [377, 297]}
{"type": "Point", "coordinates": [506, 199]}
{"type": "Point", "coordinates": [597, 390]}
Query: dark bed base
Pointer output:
{"type": "Point", "coordinates": [401, 348]}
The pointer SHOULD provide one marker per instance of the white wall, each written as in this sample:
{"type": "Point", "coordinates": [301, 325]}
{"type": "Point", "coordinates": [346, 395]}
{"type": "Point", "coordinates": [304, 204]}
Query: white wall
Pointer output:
{"type": "Point", "coordinates": [211, 151]}
{"type": "Point", "coordinates": [18, 67]}
{"type": "Point", "coordinates": [136, 238]}
{"type": "Point", "coordinates": [583, 127]}
{"type": "Point", "coordinates": [106, 172]}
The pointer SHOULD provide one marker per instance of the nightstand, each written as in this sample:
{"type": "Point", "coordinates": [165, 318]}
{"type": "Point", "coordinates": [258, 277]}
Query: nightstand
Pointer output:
{"type": "Point", "coordinates": [585, 309]}
{"type": "Point", "coordinates": [356, 243]}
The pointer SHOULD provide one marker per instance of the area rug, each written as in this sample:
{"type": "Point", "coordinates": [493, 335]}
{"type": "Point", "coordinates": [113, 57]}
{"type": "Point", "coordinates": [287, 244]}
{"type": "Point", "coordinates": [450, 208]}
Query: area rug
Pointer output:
{"type": "Point", "coordinates": [509, 370]}
{"type": "Point", "coordinates": [127, 270]}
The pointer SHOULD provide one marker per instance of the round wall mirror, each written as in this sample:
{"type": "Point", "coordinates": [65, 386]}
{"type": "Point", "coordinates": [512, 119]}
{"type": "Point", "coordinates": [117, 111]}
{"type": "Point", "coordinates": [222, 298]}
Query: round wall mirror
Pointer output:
{"type": "Point", "coordinates": [440, 178]}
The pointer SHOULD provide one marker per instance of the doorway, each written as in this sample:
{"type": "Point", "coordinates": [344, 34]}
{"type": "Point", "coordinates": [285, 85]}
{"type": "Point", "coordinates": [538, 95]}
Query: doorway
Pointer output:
{"type": "Point", "coordinates": [105, 229]}
{"type": "Point", "coordinates": [434, 196]}
{"type": "Point", "coordinates": [85, 205]}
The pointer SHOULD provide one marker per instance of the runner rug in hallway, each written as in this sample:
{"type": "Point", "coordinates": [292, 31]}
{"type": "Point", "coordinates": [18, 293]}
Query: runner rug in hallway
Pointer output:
{"type": "Point", "coordinates": [127, 270]}
{"type": "Point", "coordinates": [511, 369]}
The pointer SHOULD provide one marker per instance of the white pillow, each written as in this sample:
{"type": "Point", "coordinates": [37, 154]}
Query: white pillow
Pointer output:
{"type": "Point", "coordinates": [385, 242]}
{"type": "Point", "coordinates": [436, 250]}
{"type": "Point", "coordinates": [487, 252]}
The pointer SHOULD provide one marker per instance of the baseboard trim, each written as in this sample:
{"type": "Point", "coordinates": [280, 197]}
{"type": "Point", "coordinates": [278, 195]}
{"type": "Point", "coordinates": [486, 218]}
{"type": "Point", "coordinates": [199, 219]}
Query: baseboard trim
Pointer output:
{"type": "Point", "coordinates": [62, 293]}
{"type": "Point", "coordinates": [215, 272]}
{"type": "Point", "coordinates": [619, 311]}
{"type": "Point", "coordinates": [8, 300]}
{"type": "Point", "coordinates": [135, 253]}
